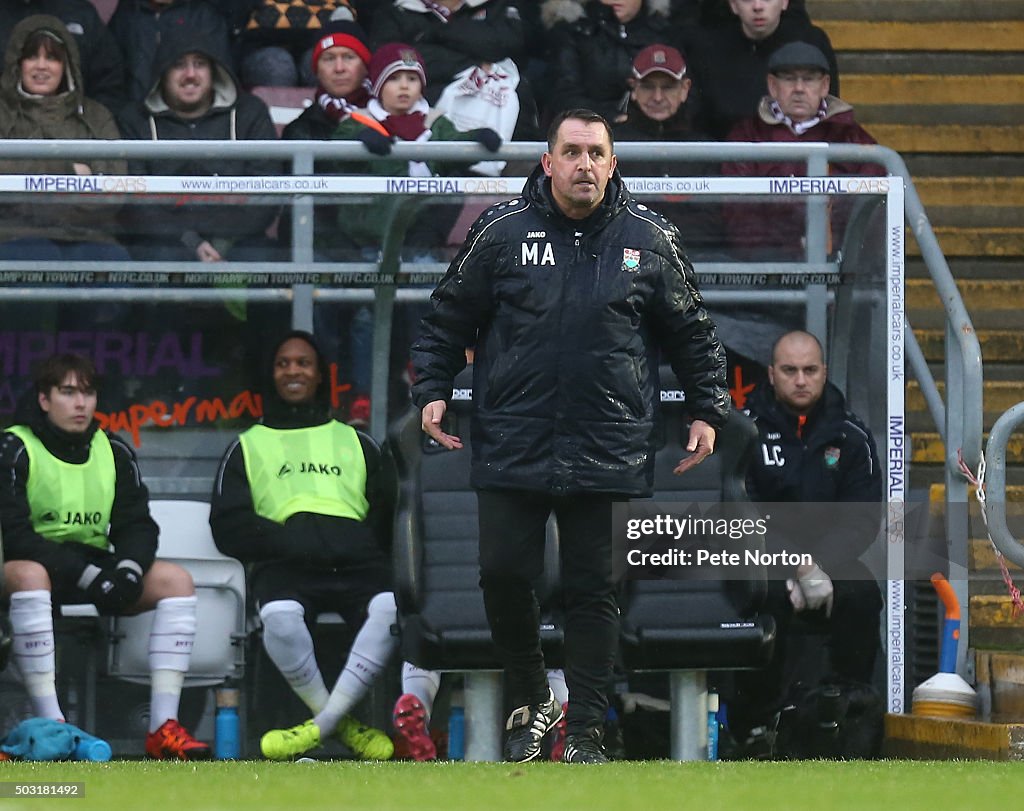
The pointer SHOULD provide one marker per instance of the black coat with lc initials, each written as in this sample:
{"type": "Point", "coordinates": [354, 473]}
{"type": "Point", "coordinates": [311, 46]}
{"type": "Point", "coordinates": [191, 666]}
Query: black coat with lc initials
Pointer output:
{"type": "Point", "coordinates": [830, 459]}
{"type": "Point", "coordinates": [565, 315]}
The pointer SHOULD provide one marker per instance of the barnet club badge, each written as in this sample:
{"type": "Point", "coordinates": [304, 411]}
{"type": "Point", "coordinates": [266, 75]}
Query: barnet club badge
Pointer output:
{"type": "Point", "coordinates": [831, 457]}
{"type": "Point", "coordinates": [630, 260]}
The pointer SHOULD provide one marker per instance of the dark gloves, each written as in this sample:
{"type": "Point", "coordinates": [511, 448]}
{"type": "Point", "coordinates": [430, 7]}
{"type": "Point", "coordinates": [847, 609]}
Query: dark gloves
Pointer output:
{"type": "Point", "coordinates": [375, 142]}
{"type": "Point", "coordinates": [488, 137]}
{"type": "Point", "coordinates": [113, 591]}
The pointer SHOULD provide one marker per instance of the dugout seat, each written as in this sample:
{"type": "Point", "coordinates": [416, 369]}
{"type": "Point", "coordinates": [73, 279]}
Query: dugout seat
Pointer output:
{"type": "Point", "coordinates": [688, 627]}
{"type": "Point", "coordinates": [219, 650]}
{"type": "Point", "coordinates": [440, 605]}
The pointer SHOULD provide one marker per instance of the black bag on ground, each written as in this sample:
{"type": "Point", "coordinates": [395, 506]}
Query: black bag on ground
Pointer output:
{"type": "Point", "coordinates": [835, 720]}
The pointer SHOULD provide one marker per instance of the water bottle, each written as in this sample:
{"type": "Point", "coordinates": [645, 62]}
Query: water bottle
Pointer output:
{"type": "Point", "coordinates": [712, 725]}
{"type": "Point", "coordinates": [226, 734]}
{"type": "Point", "coordinates": [456, 733]}
{"type": "Point", "coordinates": [89, 747]}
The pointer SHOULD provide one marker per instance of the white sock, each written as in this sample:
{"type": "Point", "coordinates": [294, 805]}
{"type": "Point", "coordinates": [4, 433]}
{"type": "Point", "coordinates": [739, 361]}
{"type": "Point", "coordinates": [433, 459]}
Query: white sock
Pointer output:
{"type": "Point", "coordinates": [170, 652]}
{"type": "Point", "coordinates": [290, 647]}
{"type": "Point", "coordinates": [556, 681]}
{"type": "Point", "coordinates": [423, 684]}
{"type": "Point", "coordinates": [31, 616]}
{"type": "Point", "coordinates": [164, 696]}
{"type": "Point", "coordinates": [372, 648]}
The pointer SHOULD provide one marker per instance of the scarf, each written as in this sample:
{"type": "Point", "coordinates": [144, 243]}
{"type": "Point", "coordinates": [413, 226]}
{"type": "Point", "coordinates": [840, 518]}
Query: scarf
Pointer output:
{"type": "Point", "coordinates": [339, 107]}
{"type": "Point", "coordinates": [801, 127]}
{"type": "Point", "coordinates": [408, 126]}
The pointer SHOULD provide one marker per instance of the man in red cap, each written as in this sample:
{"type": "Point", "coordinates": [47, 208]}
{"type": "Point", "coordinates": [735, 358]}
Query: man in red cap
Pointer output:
{"type": "Point", "coordinates": [658, 111]}
{"type": "Point", "coordinates": [341, 58]}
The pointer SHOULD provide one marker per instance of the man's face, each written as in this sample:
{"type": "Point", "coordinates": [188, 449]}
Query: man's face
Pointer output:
{"type": "Point", "coordinates": [296, 372]}
{"type": "Point", "coordinates": [758, 18]}
{"type": "Point", "coordinates": [579, 166]}
{"type": "Point", "coordinates": [659, 96]}
{"type": "Point", "coordinates": [624, 10]}
{"type": "Point", "coordinates": [797, 373]}
{"type": "Point", "coordinates": [401, 91]}
{"type": "Point", "coordinates": [340, 71]}
{"type": "Point", "coordinates": [799, 91]}
{"type": "Point", "coordinates": [71, 405]}
{"type": "Point", "coordinates": [188, 85]}
{"type": "Point", "coordinates": [41, 74]}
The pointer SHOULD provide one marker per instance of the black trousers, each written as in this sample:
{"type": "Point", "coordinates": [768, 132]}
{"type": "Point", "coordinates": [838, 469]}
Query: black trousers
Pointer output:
{"type": "Point", "coordinates": [850, 636]}
{"type": "Point", "coordinates": [512, 535]}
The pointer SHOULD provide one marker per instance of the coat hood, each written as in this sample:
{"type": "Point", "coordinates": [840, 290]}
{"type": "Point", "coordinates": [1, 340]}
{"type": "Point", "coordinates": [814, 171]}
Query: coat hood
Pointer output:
{"type": "Point", "coordinates": [834, 107]}
{"type": "Point", "coordinates": [553, 12]}
{"type": "Point", "coordinates": [225, 84]}
{"type": "Point", "coordinates": [11, 80]}
{"type": "Point", "coordinates": [278, 413]}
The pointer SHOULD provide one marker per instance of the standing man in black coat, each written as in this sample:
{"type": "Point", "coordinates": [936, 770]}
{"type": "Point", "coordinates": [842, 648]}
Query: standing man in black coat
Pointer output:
{"type": "Point", "coordinates": [814, 450]}
{"type": "Point", "coordinates": [564, 292]}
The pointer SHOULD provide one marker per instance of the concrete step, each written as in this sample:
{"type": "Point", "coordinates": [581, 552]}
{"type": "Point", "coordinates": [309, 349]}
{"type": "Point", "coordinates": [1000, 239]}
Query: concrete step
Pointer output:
{"type": "Point", "coordinates": [974, 241]}
{"type": "Point", "coordinates": [958, 164]}
{"type": "Point", "coordinates": [981, 557]}
{"type": "Point", "coordinates": [871, 115]}
{"type": "Point", "coordinates": [972, 268]}
{"type": "Point", "coordinates": [971, 191]}
{"type": "Point", "coordinates": [915, 10]}
{"type": "Point", "coordinates": [941, 62]}
{"type": "Point", "coordinates": [958, 138]}
{"type": "Point", "coordinates": [928, 448]}
{"type": "Point", "coordinates": [941, 35]}
{"type": "Point", "coordinates": [991, 612]}
{"type": "Point", "coordinates": [999, 396]}
{"type": "Point", "coordinates": [914, 89]}
{"type": "Point", "coordinates": [997, 346]}
{"type": "Point", "coordinates": [991, 304]}
{"type": "Point", "coordinates": [1014, 494]}
{"type": "Point", "coordinates": [916, 737]}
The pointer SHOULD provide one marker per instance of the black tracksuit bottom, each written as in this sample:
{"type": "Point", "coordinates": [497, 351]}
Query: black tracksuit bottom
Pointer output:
{"type": "Point", "coordinates": [512, 537]}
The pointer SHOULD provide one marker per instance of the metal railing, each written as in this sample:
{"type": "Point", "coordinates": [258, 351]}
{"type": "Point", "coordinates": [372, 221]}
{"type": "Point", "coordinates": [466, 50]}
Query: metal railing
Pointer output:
{"type": "Point", "coordinates": [958, 420]}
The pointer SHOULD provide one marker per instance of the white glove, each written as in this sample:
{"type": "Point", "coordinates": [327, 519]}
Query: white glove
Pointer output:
{"type": "Point", "coordinates": [817, 589]}
{"type": "Point", "coordinates": [796, 596]}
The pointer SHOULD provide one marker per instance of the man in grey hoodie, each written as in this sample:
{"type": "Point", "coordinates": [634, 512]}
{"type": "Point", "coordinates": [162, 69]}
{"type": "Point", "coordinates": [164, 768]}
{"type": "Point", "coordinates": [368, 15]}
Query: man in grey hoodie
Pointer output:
{"type": "Point", "coordinates": [197, 97]}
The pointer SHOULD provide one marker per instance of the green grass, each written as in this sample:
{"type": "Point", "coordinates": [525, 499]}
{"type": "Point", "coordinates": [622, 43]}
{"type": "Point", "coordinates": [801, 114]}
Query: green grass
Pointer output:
{"type": "Point", "coordinates": [647, 786]}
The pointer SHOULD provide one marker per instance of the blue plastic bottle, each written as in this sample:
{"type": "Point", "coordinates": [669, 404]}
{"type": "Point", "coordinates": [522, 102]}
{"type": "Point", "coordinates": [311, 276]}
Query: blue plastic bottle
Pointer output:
{"type": "Point", "coordinates": [457, 734]}
{"type": "Point", "coordinates": [226, 745]}
{"type": "Point", "coordinates": [89, 747]}
{"type": "Point", "coordinates": [712, 725]}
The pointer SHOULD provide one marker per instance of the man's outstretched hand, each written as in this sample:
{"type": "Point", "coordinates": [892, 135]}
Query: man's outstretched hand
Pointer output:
{"type": "Point", "coordinates": [700, 446]}
{"type": "Point", "coordinates": [433, 414]}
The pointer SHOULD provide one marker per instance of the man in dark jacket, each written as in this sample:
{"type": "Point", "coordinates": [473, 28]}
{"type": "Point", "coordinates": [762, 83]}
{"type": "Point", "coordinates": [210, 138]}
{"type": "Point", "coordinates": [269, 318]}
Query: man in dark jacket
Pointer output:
{"type": "Point", "coordinates": [814, 450]}
{"type": "Point", "coordinates": [594, 44]}
{"type": "Point", "coordinates": [799, 108]}
{"type": "Point", "coordinates": [196, 98]}
{"type": "Point", "coordinates": [729, 62]}
{"type": "Point", "coordinates": [77, 529]}
{"type": "Point", "coordinates": [139, 26]}
{"type": "Point", "coordinates": [304, 499]}
{"type": "Point", "coordinates": [564, 292]}
{"type": "Point", "coordinates": [658, 111]}
{"type": "Point", "coordinates": [102, 68]}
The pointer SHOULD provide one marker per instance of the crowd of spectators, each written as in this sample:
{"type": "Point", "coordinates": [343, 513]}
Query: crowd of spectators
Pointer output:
{"type": "Point", "coordinates": [500, 66]}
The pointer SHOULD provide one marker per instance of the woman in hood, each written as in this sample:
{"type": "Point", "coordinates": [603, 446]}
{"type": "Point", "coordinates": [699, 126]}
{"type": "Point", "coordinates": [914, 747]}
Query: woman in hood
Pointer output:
{"type": "Point", "coordinates": [42, 96]}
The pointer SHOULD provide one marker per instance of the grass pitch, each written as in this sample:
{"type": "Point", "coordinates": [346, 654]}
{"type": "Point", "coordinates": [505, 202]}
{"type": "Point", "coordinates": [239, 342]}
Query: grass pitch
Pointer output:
{"type": "Point", "coordinates": [648, 786]}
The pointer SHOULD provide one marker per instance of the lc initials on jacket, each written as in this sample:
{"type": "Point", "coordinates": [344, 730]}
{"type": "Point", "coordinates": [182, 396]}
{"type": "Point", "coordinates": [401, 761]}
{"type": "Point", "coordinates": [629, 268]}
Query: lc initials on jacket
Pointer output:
{"type": "Point", "coordinates": [565, 316]}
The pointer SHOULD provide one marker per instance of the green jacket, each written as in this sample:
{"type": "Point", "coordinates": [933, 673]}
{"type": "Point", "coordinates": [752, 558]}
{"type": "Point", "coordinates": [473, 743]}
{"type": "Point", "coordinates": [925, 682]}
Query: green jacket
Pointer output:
{"type": "Point", "coordinates": [65, 115]}
{"type": "Point", "coordinates": [362, 224]}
